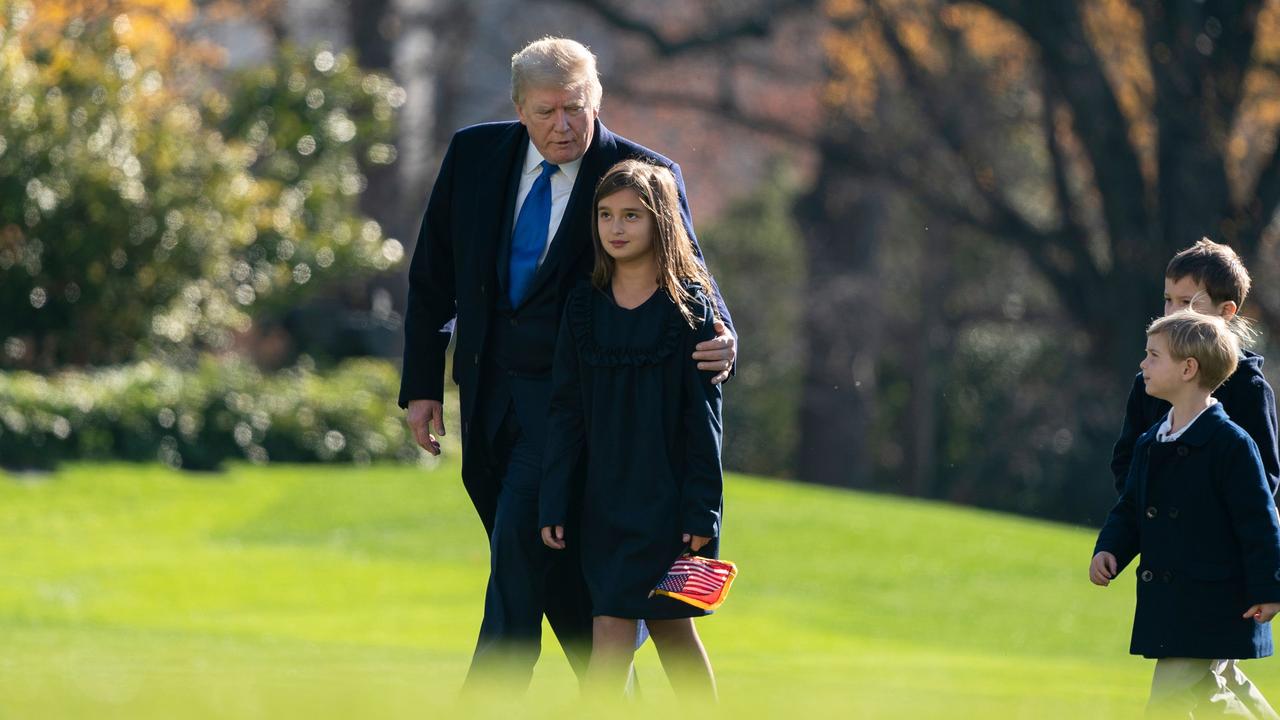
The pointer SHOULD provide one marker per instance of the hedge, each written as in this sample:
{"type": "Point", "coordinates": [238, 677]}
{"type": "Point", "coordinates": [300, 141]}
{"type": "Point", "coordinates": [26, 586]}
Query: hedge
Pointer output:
{"type": "Point", "coordinates": [223, 409]}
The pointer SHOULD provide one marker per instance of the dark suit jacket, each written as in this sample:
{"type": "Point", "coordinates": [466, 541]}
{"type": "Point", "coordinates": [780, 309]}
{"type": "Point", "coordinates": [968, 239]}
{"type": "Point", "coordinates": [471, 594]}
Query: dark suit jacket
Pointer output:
{"type": "Point", "coordinates": [1200, 513]}
{"type": "Point", "coordinates": [453, 277]}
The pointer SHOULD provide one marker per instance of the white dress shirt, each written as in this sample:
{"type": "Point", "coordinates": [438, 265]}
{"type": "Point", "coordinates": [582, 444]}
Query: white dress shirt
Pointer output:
{"type": "Point", "coordinates": [561, 187]}
{"type": "Point", "coordinates": [1163, 434]}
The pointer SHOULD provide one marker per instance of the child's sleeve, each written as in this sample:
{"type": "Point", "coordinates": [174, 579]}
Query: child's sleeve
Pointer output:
{"type": "Point", "coordinates": [686, 216]}
{"type": "Point", "coordinates": [1132, 429]}
{"type": "Point", "coordinates": [703, 489]}
{"type": "Point", "coordinates": [722, 309]}
{"type": "Point", "coordinates": [1120, 533]}
{"type": "Point", "coordinates": [1253, 519]}
{"type": "Point", "coordinates": [566, 429]}
{"type": "Point", "coordinates": [1255, 413]}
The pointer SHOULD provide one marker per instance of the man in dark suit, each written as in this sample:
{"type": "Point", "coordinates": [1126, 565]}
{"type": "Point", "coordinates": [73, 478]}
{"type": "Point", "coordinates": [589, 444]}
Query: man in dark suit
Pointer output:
{"type": "Point", "coordinates": [506, 235]}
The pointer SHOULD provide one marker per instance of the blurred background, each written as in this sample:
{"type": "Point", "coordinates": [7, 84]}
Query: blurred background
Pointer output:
{"type": "Point", "coordinates": [941, 226]}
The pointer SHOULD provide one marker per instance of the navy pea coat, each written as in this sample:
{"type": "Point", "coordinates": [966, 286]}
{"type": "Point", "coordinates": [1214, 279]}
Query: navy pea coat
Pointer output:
{"type": "Point", "coordinates": [1200, 513]}
{"type": "Point", "coordinates": [1247, 398]}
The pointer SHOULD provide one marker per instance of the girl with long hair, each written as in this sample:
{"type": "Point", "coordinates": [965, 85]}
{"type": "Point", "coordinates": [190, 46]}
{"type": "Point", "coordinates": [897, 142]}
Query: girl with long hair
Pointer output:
{"type": "Point", "coordinates": [629, 398]}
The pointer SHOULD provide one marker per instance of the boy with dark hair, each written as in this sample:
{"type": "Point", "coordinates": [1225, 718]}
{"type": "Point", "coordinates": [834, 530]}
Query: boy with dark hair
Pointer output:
{"type": "Point", "coordinates": [1211, 276]}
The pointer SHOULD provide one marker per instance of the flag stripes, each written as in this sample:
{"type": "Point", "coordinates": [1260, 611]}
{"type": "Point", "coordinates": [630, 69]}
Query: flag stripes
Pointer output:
{"type": "Point", "coordinates": [698, 581]}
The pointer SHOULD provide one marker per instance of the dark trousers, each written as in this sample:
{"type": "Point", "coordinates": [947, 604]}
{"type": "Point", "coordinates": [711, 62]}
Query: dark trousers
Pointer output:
{"type": "Point", "coordinates": [526, 578]}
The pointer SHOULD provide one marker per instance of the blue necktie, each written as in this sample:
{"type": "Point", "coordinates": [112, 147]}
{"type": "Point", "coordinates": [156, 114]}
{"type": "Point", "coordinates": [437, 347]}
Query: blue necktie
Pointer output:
{"type": "Point", "coordinates": [530, 236]}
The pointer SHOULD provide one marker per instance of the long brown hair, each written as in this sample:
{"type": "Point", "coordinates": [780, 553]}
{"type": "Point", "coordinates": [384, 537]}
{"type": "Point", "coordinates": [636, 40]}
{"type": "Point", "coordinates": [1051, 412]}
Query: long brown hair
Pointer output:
{"type": "Point", "coordinates": [677, 263]}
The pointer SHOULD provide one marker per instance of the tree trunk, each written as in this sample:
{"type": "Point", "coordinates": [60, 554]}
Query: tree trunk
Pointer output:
{"type": "Point", "coordinates": [843, 218]}
{"type": "Point", "coordinates": [922, 416]}
{"type": "Point", "coordinates": [424, 57]}
{"type": "Point", "coordinates": [416, 60]}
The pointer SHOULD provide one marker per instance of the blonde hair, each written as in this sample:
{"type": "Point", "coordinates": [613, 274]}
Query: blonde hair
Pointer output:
{"type": "Point", "coordinates": [555, 62]}
{"type": "Point", "coordinates": [1207, 338]}
{"type": "Point", "coordinates": [677, 263]}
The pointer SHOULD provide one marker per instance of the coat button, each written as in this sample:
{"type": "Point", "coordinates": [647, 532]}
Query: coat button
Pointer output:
{"type": "Point", "coordinates": [1147, 575]}
{"type": "Point", "coordinates": [1152, 512]}
{"type": "Point", "coordinates": [1173, 513]}
{"type": "Point", "coordinates": [1166, 576]}
{"type": "Point", "coordinates": [1182, 451]}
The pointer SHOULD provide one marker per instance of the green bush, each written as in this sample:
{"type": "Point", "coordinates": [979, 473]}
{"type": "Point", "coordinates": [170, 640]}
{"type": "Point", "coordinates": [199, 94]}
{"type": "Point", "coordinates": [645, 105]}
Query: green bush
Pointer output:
{"type": "Point", "coordinates": [150, 206]}
{"type": "Point", "coordinates": [223, 409]}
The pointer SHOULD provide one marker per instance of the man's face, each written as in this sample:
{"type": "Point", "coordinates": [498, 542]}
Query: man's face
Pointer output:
{"type": "Point", "coordinates": [560, 122]}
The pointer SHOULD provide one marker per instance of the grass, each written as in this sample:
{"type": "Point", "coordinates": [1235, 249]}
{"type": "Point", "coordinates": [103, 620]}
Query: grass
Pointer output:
{"type": "Point", "coordinates": [321, 592]}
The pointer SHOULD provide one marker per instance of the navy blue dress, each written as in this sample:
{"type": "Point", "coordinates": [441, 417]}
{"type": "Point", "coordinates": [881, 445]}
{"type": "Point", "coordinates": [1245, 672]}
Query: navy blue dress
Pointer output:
{"type": "Point", "coordinates": [629, 398]}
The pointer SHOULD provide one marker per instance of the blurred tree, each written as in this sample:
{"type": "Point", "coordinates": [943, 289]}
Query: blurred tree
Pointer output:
{"type": "Point", "coordinates": [757, 254]}
{"type": "Point", "coordinates": [1098, 137]}
{"type": "Point", "coordinates": [1095, 139]}
{"type": "Point", "coordinates": [143, 209]}
{"type": "Point", "coordinates": [422, 43]}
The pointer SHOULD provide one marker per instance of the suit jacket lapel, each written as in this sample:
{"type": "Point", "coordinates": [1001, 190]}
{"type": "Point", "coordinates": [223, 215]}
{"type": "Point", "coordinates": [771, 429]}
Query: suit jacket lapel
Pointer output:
{"type": "Point", "coordinates": [494, 201]}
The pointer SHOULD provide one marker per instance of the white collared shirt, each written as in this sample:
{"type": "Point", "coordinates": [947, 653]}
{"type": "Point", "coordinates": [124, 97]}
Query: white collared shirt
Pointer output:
{"type": "Point", "coordinates": [561, 187]}
{"type": "Point", "coordinates": [1163, 434]}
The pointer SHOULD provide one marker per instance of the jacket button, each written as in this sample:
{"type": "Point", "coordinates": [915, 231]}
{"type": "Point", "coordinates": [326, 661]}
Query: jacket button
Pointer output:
{"type": "Point", "coordinates": [1173, 513]}
{"type": "Point", "coordinates": [1152, 512]}
{"type": "Point", "coordinates": [1147, 575]}
{"type": "Point", "coordinates": [1166, 576]}
{"type": "Point", "coordinates": [1182, 451]}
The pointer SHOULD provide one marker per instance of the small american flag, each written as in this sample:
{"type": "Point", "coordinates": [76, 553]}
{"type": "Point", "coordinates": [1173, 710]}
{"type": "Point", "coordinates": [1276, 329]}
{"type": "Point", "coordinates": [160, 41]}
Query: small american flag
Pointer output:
{"type": "Point", "coordinates": [698, 581]}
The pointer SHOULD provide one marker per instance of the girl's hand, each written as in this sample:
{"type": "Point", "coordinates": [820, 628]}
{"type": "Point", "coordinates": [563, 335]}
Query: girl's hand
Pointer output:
{"type": "Point", "coordinates": [553, 537]}
{"type": "Point", "coordinates": [1263, 612]}
{"type": "Point", "coordinates": [695, 542]}
{"type": "Point", "coordinates": [1103, 568]}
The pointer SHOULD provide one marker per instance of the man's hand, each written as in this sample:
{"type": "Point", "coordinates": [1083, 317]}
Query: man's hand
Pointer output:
{"type": "Point", "coordinates": [423, 416]}
{"type": "Point", "coordinates": [695, 542]}
{"type": "Point", "coordinates": [553, 537]}
{"type": "Point", "coordinates": [1263, 612]}
{"type": "Point", "coordinates": [1103, 568]}
{"type": "Point", "coordinates": [717, 354]}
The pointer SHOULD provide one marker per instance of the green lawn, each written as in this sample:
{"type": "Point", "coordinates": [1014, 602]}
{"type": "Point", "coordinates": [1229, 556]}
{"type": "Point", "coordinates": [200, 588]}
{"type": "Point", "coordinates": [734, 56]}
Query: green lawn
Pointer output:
{"type": "Point", "coordinates": [321, 592]}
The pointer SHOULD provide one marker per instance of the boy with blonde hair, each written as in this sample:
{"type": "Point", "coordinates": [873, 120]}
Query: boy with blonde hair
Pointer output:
{"type": "Point", "coordinates": [1198, 509]}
